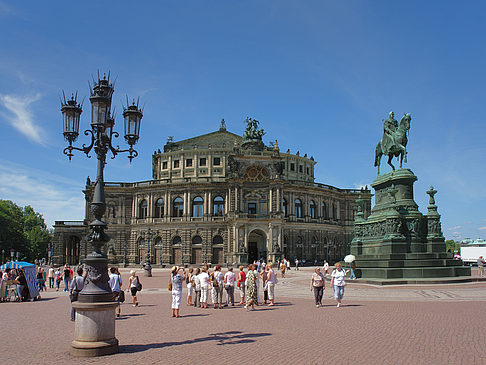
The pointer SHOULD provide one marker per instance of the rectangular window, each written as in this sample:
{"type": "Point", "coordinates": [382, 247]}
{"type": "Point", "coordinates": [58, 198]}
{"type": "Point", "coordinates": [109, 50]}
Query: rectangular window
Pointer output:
{"type": "Point", "coordinates": [176, 164]}
{"type": "Point", "coordinates": [202, 161]}
{"type": "Point", "coordinates": [308, 171]}
{"type": "Point", "coordinates": [301, 169]}
{"type": "Point", "coordinates": [164, 165]}
{"type": "Point", "coordinates": [252, 208]}
{"type": "Point", "coordinates": [292, 166]}
{"type": "Point", "coordinates": [217, 161]}
{"type": "Point", "coordinates": [189, 162]}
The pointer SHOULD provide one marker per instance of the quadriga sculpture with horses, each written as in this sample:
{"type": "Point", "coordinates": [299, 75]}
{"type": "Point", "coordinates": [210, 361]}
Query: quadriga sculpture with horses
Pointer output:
{"type": "Point", "coordinates": [394, 141]}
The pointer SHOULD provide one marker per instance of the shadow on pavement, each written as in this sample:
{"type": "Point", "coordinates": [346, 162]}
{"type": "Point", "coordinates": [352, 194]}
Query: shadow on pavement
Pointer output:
{"type": "Point", "coordinates": [193, 315]}
{"type": "Point", "coordinates": [282, 304]}
{"type": "Point", "coordinates": [126, 316]}
{"type": "Point", "coordinates": [223, 338]}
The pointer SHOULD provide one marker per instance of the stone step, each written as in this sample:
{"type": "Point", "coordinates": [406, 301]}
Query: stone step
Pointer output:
{"type": "Point", "coordinates": [413, 272]}
{"type": "Point", "coordinates": [408, 263]}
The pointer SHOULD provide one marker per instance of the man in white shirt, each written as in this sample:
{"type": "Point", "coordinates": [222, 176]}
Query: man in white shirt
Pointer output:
{"type": "Point", "coordinates": [204, 281]}
{"type": "Point", "coordinates": [115, 285]}
{"type": "Point", "coordinates": [325, 268]}
{"type": "Point", "coordinates": [229, 285]}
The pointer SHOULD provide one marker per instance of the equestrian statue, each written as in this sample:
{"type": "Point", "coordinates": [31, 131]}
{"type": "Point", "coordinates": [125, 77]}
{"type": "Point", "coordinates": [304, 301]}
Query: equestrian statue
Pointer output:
{"type": "Point", "coordinates": [394, 141]}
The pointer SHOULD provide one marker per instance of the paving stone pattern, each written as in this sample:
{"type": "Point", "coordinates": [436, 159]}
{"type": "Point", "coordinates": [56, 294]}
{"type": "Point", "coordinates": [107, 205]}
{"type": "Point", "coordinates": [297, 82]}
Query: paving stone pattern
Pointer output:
{"type": "Point", "coordinates": [441, 324]}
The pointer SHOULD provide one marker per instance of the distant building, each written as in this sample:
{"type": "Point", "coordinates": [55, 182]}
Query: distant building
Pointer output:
{"type": "Point", "coordinates": [220, 198]}
{"type": "Point", "coordinates": [471, 242]}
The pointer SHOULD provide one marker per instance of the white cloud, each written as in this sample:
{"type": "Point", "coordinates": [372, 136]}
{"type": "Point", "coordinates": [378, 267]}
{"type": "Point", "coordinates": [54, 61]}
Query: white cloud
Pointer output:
{"type": "Point", "coordinates": [55, 197]}
{"type": "Point", "coordinates": [5, 9]}
{"type": "Point", "coordinates": [21, 117]}
{"type": "Point", "coordinates": [454, 228]}
{"type": "Point", "coordinates": [482, 228]}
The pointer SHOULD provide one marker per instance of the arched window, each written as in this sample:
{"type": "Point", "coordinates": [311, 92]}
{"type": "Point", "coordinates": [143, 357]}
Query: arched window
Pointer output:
{"type": "Point", "coordinates": [142, 209]}
{"type": "Point", "coordinates": [217, 240]}
{"type": "Point", "coordinates": [176, 240]}
{"type": "Point", "coordinates": [285, 207]}
{"type": "Point", "coordinates": [159, 208]}
{"type": "Point", "coordinates": [218, 206]}
{"type": "Point", "coordinates": [197, 206]}
{"type": "Point", "coordinates": [196, 240]}
{"type": "Point", "coordinates": [178, 207]}
{"type": "Point", "coordinates": [312, 209]}
{"type": "Point", "coordinates": [298, 208]}
{"type": "Point", "coordinates": [324, 211]}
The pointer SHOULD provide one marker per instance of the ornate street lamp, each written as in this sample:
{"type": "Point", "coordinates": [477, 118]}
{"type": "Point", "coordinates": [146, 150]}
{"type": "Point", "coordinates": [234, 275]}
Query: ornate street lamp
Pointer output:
{"type": "Point", "coordinates": [148, 267]}
{"type": "Point", "coordinates": [96, 295]}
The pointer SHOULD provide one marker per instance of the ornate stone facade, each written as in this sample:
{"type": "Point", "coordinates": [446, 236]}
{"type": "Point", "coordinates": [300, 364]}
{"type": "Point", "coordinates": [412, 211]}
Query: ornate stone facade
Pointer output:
{"type": "Point", "coordinates": [221, 198]}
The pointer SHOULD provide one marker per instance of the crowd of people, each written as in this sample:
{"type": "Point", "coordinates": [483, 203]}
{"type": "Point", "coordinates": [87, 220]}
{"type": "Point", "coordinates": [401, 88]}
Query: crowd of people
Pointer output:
{"type": "Point", "coordinates": [13, 277]}
{"type": "Point", "coordinates": [205, 286]}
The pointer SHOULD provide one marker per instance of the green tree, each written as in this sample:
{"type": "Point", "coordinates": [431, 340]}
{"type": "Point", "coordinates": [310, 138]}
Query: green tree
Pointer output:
{"type": "Point", "coordinates": [11, 227]}
{"type": "Point", "coordinates": [452, 246]}
{"type": "Point", "coordinates": [23, 230]}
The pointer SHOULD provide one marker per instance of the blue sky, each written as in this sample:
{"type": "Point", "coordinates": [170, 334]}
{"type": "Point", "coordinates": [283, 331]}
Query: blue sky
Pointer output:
{"type": "Point", "coordinates": [319, 75]}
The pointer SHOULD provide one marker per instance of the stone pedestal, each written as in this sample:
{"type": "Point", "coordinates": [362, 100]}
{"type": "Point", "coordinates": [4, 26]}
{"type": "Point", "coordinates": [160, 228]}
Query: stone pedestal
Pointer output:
{"type": "Point", "coordinates": [241, 258]}
{"type": "Point", "coordinates": [397, 242]}
{"type": "Point", "coordinates": [148, 270]}
{"type": "Point", "coordinates": [94, 331]}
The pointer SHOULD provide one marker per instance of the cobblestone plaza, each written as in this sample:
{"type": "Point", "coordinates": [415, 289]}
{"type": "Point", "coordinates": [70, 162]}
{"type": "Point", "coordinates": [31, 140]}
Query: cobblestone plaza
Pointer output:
{"type": "Point", "coordinates": [441, 324]}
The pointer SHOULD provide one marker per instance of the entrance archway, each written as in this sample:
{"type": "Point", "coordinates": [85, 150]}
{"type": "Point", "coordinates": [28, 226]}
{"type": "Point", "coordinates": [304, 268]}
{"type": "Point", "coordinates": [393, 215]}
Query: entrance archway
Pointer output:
{"type": "Point", "coordinates": [71, 250]}
{"type": "Point", "coordinates": [257, 246]}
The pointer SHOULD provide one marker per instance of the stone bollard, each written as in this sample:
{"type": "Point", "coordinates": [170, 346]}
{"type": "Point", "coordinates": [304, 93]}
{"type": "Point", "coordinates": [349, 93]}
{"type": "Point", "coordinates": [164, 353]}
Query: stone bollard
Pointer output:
{"type": "Point", "coordinates": [94, 331]}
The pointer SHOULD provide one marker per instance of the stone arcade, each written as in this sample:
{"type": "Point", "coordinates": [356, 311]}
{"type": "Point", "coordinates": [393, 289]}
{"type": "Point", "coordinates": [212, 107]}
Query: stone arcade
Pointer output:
{"type": "Point", "coordinates": [221, 198]}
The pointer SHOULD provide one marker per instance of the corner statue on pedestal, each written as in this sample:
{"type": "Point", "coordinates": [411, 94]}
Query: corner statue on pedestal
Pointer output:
{"type": "Point", "coordinates": [394, 141]}
{"type": "Point", "coordinates": [396, 243]}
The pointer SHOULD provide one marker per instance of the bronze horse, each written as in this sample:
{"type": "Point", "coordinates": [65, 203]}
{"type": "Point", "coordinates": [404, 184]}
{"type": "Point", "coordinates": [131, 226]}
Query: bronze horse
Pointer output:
{"type": "Point", "coordinates": [400, 146]}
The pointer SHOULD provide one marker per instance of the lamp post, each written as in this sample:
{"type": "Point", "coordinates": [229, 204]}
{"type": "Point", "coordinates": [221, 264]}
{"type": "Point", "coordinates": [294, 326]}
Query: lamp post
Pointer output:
{"type": "Point", "coordinates": [125, 254]}
{"type": "Point", "coordinates": [148, 267]}
{"type": "Point", "coordinates": [12, 252]}
{"type": "Point", "coordinates": [95, 326]}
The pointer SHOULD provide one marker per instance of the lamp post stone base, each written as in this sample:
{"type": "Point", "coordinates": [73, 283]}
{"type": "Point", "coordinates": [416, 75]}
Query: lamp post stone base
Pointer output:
{"type": "Point", "coordinates": [94, 330]}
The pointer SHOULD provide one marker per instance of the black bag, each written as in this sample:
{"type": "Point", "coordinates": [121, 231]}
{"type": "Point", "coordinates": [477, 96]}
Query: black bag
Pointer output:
{"type": "Point", "coordinates": [139, 285]}
{"type": "Point", "coordinates": [121, 297]}
{"type": "Point", "coordinates": [74, 296]}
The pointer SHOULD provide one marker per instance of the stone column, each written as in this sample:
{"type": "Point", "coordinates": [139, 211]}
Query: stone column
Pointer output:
{"type": "Point", "coordinates": [166, 204]}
